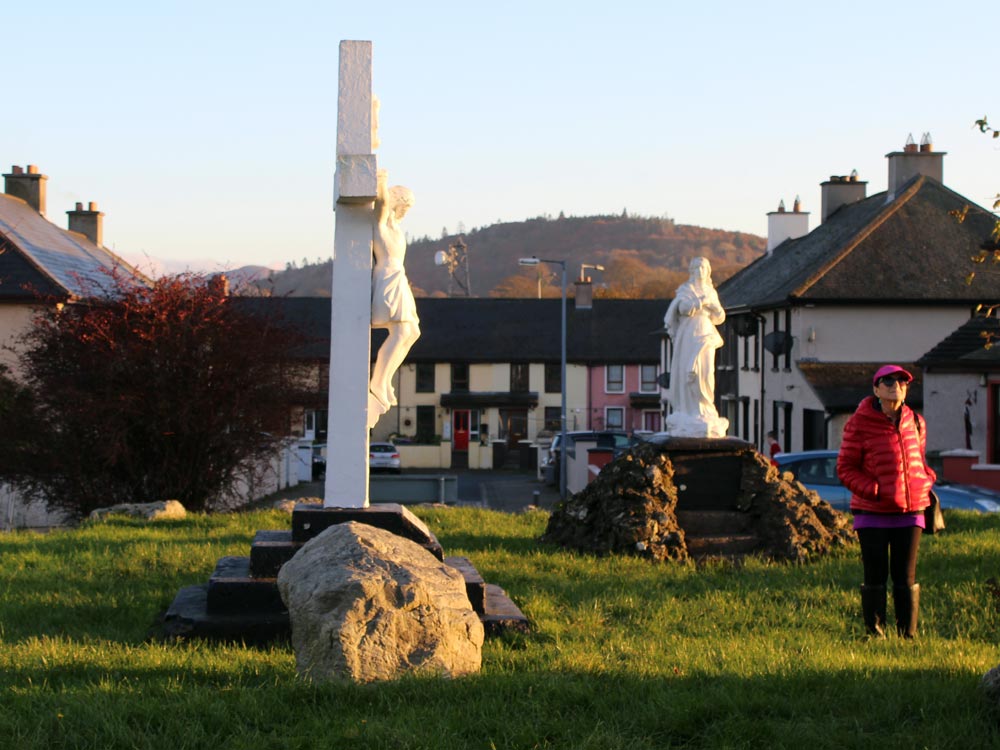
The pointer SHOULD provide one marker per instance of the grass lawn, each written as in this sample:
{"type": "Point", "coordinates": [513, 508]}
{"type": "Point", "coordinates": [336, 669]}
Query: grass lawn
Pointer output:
{"type": "Point", "coordinates": [623, 653]}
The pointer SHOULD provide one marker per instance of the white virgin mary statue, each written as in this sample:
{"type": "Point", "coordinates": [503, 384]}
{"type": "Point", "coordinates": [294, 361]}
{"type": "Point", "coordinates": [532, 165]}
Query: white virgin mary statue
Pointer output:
{"type": "Point", "coordinates": [691, 321]}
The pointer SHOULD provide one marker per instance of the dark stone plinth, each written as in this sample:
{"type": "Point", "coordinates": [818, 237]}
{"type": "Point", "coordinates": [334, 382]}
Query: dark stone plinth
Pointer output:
{"type": "Point", "coordinates": [232, 590]}
{"type": "Point", "coordinates": [475, 586]}
{"type": "Point", "coordinates": [310, 520]}
{"type": "Point", "coordinates": [708, 472]}
{"type": "Point", "coordinates": [672, 444]}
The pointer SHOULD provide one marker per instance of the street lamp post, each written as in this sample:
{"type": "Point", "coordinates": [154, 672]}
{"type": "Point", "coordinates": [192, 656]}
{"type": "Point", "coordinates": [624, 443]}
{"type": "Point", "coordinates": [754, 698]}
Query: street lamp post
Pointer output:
{"type": "Point", "coordinates": [562, 369]}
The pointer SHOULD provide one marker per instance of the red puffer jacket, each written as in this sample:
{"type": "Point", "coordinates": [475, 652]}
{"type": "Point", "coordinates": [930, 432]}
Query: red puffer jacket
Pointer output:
{"type": "Point", "coordinates": [883, 466]}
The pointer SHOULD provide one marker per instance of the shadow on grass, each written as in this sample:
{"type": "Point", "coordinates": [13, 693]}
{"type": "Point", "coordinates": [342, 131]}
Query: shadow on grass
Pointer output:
{"type": "Point", "coordinates": [865, 707]}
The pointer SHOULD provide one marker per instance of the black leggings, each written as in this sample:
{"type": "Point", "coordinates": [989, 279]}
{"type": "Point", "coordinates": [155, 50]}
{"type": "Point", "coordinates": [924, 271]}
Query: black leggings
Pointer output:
{"type": "Point", "coordinates": [886, 552]}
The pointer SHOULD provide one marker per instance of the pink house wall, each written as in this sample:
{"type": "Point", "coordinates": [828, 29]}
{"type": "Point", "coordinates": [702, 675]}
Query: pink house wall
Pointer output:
{"type": "Point", "coordinates": [599, 400]}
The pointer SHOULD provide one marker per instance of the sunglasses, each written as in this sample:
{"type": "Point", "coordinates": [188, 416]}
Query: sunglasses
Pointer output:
{"type": "Point", "coordinates": [888, 380]}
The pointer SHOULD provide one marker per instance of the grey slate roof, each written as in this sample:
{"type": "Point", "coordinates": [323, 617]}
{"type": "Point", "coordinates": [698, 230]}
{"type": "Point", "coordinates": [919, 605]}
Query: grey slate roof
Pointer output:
{"type": "Point", "coordinates": [40, 259]}
{"type": "Point", "coordinates": [908, 250]}
{"type": "Point", "coordinates": [840, 386]}
{"type": "Point", "coordinates": [501, 330]}
{"type": "Point", "coordinates": [964, 349]}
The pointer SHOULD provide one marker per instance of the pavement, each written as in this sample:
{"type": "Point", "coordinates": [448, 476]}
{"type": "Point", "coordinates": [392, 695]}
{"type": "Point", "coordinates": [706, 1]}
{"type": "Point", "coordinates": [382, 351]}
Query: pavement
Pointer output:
{"type": "Point", "coordinates": [507, 490]}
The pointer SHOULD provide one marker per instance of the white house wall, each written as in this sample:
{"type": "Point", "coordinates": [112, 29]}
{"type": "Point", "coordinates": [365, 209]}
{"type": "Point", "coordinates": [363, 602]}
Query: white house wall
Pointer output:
{"type": "Point", "coordinates": [945, 396]}
{"type": "Point", "coordinates": [871, 333]}
{"type": "Point", "coordinates": [14, 320]}
{"type": "Point", "coordinates": [845, 334]}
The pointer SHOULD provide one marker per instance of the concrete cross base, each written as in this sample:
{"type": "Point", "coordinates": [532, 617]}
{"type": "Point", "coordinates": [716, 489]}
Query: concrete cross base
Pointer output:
{"type": "Point", "coordinates": [240, 602]}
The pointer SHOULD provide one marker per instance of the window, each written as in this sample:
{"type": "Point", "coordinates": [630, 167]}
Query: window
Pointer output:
{"type": "Point", "coordinates": [553, 419]}
{"type": "Point", "coordinates": [460, 376]}
{"type": "Point", "coordinates": [519, 377]}
{"type": "Point", "coordinates": [651, 420]}
{"type": "Point", "coordinates": [614, 379]}
{"type": "Point", "coordinates": [425, 377]}
{"type": "Point", "coordinates": [425, 424]}
{"type": "Point", "coordinates": [647, 379]}
{"type": "Point", "coordinates": [614, 418]}
{"type": "Point", "coordinates": [553, 377]}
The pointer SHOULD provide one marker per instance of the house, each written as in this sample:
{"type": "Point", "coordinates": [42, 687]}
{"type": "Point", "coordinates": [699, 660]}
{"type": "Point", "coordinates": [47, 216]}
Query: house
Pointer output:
{"type": "Point", "coordinates": [962, 403]}
{"type": "Point", "coordinates": [881, 279]}
{"type": "Point", "coordinates": [485, 375]}
{"type": "Point", "coordinates": [40, 263]}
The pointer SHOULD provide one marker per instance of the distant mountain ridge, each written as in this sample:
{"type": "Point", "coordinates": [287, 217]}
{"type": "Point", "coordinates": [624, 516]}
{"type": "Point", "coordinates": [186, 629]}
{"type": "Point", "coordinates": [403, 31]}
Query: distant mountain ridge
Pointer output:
{"type": "Point", "coordinates": [643, 257]}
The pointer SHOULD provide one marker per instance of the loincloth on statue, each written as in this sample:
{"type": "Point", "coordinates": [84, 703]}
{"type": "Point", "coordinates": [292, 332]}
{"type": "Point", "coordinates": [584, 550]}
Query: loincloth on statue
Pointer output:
{"type": "Point", "coordinates": [392, 300]}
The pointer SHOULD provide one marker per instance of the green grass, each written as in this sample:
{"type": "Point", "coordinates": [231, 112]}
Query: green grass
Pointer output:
{"type": "Point", "coordinates": [623, 653]}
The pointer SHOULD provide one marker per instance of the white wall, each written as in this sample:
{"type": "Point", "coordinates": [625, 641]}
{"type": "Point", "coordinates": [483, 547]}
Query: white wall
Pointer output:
{"type": "Point", "coordinates": [849, 334]}
{"type": "Point", "coordinates": [14, 320]}
{"type": "Point", "coordinates": [945, 395]}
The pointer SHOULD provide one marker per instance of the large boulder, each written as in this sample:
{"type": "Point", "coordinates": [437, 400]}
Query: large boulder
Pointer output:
{"type": "Point", "coordinates": [630, 508]}
{"type": "Point", "coordinates": [165, 510]}
{"type": "Point", "coordinates": [366, 604]}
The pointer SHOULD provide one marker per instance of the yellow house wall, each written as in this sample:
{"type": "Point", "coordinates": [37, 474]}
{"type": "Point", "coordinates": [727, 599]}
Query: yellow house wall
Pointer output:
{"type": "Point", "coordinates": [14, 320]}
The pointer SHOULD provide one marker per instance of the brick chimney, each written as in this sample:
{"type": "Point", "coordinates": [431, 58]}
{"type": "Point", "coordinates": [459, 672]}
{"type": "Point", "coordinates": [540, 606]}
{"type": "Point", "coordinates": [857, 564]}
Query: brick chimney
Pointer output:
{"type": "Point", "coordinates": [28, 186]}
{"type": "Point", "coordinates": [583, 297]}
{"type": "Point", "coordinates": [786, 225]}
{"type": "Point", "coordinates": [912, 161]}
{"type": "Point", "coordinates": [838, 191]}
{"type": "Point", "coordinates": [89, 223]}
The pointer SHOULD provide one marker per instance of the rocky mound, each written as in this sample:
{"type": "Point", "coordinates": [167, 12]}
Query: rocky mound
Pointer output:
{"type": "Point", "coordinates": [632, 507]}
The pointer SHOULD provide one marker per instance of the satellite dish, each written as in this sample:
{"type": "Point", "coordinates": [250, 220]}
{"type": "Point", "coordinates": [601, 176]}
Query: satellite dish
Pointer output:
{"type": "Point", "coordinates": [663, 379]}
{"type": "Point", "coordinates": [441, 258]}
{"type": "Point", "coordinates": [778, 342]}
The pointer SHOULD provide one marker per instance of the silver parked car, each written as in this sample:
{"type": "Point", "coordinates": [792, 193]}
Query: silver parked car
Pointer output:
{"type": "Point", "coordinates": [817, 470]}
{"type": "Point", "coordinates": [384, 457]}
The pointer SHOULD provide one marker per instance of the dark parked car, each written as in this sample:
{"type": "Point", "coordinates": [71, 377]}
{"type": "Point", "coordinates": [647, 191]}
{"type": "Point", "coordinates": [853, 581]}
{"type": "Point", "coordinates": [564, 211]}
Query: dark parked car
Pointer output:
{"type": "Point", "coordinates": [614, 439]}
{"type": "Point", "coordinates": [817, 470]}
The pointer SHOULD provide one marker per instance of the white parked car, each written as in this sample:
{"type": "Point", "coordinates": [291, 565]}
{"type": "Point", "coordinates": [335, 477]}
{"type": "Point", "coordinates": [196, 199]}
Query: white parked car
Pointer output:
{"type": "Point", "coordinates": [383, 457]}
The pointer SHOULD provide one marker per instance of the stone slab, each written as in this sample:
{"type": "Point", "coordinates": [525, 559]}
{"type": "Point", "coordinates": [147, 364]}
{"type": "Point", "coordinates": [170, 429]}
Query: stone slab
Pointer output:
{"type": "Point", "coordinates": [310, 520]}
{"type": "Point", "coordinates": [188, 617]}
{"type": "Point", "coordinates": [502, 615]}
{"type": "Point", "coordinates": [475, 586]}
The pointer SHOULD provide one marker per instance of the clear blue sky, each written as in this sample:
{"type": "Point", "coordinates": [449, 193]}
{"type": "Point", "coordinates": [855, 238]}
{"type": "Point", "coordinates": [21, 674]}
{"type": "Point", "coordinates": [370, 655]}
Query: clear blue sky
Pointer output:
{"type": "Point", "coordinates": [206, 130]}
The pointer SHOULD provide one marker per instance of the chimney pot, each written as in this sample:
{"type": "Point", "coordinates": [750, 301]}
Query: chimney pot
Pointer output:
{"type": "Point", "coordinates": [785, 225]}
{"type": "Point", "coordinates": [911, 145]}
{"type": "Point", "coordinates": [92, 206]}
{"type": "Point", "coordinates": [926, 143]}
{"type": "Point", "coordinates": [797, 206]}
{"type": "Point", "coordinates": [854, 175]}
{"type": "Point", "coordinates": [29, 187]}
{"type": "Point", "coordinates": [839, 190]}
{"type": "Point", "coordinates": [79, 206]}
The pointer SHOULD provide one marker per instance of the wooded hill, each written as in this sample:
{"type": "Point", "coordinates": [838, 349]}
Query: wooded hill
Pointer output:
{"type": "Point", "coordinates": [643, 257]}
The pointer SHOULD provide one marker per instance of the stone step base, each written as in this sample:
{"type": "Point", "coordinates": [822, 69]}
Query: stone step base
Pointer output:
{"type": "Point", "coordinates": [729, 546]}
{"type": "Point", "coordinates": [713, 522]}
{"type": "Point", "coordinates": [236, 607]}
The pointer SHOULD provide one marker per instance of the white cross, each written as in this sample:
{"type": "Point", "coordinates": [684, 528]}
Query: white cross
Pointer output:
{"type": "Point", "coordinates": [350, 325]}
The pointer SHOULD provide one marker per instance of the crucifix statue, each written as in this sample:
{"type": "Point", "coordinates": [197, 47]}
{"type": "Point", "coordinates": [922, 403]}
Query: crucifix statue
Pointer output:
{"type": "Point", "coordinates": [368, 215]}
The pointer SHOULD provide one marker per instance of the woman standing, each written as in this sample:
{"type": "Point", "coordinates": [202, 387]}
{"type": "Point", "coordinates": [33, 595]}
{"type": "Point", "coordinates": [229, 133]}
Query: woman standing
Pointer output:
{"type": "Point", "coordinates": [882, 463]}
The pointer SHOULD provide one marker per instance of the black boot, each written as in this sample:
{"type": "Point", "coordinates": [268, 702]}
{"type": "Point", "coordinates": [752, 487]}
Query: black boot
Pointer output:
{"type": "Point", "coordinates": [906, 600]}
{"type": "Point", "coordinates": [873, 609]}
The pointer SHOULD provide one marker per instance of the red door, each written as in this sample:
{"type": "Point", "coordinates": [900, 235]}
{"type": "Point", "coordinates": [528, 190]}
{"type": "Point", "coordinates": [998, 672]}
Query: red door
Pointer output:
{"type": "Point", "coordinates": [460, 430]}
